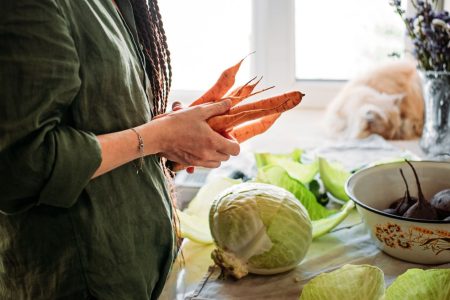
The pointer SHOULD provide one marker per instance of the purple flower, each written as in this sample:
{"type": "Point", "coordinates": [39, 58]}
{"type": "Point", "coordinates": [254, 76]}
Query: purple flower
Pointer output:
{"type": "Point", "coordinates": [429, 31]}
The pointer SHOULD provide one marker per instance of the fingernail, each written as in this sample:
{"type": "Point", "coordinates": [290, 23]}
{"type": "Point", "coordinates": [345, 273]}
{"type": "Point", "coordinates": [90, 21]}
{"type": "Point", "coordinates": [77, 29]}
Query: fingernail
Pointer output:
{"type": "Point", "coordinates": [176, 105]}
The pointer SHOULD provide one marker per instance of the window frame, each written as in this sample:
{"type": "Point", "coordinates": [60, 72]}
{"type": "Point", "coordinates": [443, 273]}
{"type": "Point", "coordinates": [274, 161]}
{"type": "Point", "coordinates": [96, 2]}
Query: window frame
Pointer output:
{"type": "Point", "coordinates": [273, 39]}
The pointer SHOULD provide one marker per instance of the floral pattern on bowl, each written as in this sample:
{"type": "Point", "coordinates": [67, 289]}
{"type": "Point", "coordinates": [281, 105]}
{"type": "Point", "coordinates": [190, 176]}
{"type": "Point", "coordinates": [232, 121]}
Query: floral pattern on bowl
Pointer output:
{"type": "Point", "coordinates": [420, 241]}
{"type": "Point", "coordinates": [393, 236]}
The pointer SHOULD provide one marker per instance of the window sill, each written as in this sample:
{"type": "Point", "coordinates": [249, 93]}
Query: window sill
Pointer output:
{"type": "Point", "coordinates": [303, 128]}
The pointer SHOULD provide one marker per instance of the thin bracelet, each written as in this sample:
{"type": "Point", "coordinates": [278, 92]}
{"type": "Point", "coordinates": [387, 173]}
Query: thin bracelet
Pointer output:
{"type": "Point", "coordinates": [141, 151]}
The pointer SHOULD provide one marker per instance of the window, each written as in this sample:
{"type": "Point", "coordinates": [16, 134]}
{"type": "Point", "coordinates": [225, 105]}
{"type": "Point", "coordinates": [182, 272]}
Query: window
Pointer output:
{"type": "Point", "coordinates": [312, 46]}
{"type": "Point", "coordinates": [336, 40]}
{"type": "Point", "coordinates": [205, 37]}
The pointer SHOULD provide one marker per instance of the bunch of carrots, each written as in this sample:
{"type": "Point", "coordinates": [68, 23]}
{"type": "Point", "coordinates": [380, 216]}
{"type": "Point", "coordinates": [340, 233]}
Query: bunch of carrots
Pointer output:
{"type": "Point", "coordinates": [245, 121]}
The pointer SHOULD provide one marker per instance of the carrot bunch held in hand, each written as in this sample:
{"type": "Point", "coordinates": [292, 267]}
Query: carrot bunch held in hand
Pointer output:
{"type": "Point", "coordinates": [262, 113]}
{"type": "Point", "coordinates": [244, 121]}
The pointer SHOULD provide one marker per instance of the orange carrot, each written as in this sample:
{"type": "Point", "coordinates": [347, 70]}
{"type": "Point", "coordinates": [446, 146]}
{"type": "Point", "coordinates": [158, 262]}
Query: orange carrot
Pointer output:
{"type": "Point", "coordinates": [240, 114]}
{"type": "Point", "coordinates": [268, 103]}
{"type": "Point", "coordinates": [244, 95]}
{"type": "Point", "coordinates": [242, 89]}
{"type": "Point", "coordinates": [221, 87]}
{"type": "Point", "coordinates": [255, 127]}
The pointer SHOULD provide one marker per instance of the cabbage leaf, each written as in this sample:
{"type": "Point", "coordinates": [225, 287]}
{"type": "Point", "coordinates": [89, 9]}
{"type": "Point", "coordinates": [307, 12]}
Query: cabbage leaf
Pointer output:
{"type": "Point", "coordinates": [323, 226]}
{"type": "Point", "coordinates": [194, 220]}
{"type": "Point", "coordinates": [348, 282]}
{"type": "Point", "coordinates": [367, 282]}
{"type": "Point", "coordinates": [334, 177]}
{"type": "Point", "coordinates": [417, 284]}
{"type": "Point", "coordinates": [278, 176]}
{"type": "Point", "coordinates": [304, 173]}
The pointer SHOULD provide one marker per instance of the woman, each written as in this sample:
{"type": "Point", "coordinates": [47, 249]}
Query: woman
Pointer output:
{"type": "Point", "coordinates": [86, 211]}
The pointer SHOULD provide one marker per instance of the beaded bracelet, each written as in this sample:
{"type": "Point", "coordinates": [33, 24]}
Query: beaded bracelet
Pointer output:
{"type": "Point", "coordinates": [141, 151]}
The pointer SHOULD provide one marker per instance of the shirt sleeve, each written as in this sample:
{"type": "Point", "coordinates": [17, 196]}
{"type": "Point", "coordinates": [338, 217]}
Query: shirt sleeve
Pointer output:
{"type": "Point", "coordinates": [42, 159]}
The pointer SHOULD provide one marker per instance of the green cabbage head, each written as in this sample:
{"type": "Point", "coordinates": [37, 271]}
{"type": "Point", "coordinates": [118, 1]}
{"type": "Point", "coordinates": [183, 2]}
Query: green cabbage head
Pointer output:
{"type": "Point", "coordinates": [258, 228]}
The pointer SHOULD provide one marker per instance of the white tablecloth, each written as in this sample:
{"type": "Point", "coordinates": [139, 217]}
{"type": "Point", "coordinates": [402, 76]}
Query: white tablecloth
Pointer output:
{"type": "Point", "coordinates": [350, 243]}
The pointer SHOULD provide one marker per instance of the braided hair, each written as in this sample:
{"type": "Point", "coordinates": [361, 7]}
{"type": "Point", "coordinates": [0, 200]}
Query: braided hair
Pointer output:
{"type": "Point", "coordinates": [157, 55]}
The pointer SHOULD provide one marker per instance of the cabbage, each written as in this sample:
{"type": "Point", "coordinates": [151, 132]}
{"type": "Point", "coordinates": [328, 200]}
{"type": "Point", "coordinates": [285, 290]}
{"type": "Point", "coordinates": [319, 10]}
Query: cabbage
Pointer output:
{"type": "Point", "coordinates": [258, 228]}
{"type": "Point", "coordinates": [347, 283]}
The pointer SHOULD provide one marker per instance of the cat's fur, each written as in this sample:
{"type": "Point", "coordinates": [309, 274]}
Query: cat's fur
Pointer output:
{"type": "Point", "coordinates": [386, 100]}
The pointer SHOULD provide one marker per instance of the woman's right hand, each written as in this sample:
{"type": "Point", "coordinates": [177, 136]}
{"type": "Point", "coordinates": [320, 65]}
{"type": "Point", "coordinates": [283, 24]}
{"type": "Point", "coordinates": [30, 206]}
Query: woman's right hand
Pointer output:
{"type": "Point", "coordinates": [185, 137]}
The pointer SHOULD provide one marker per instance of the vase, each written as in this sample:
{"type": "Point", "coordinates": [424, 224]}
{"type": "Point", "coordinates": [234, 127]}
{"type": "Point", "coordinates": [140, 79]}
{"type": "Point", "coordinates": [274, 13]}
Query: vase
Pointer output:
{"type": "Point", "coordinates": [435, 139]}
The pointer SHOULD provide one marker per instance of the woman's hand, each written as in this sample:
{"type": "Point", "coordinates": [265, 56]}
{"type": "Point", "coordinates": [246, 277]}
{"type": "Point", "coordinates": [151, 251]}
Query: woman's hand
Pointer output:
{"type": "Point", "coordinates": [185, 137]}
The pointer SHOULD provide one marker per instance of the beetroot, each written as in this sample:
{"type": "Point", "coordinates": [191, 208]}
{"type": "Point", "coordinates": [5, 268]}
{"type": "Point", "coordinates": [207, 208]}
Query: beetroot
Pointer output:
{"type": "Point", "coordinates": [401, 205]}
{"type": "Point", "coordinates": [422, 209]}
{"type": "Point", "coordinates": [441, 202]}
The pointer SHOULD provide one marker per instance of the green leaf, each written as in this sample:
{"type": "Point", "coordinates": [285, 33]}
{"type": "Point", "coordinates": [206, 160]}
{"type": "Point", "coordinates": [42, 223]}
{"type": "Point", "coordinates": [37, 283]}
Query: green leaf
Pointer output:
{"type": "Point", "coordinates": [194, 220]}
{"type": "Point", "coordinates": [323, 226]}
{"type": "Point", "coordinates": [194, 228]}
{"type": "Point", "coordinates": [291, 163]}
{"type": "Point", "coordinates": [304, 173]}
{"type": "Point", "coordinates": [348, 282]}
{"type": "Point", "coordinates": [421, 284]}
{"type": "Point", "coordinates": [264, 159]}
{"type": "Point", "coordinates": [367, 282]}
{"type": "Point", "coordinates": [278, 176]}
{"type": "Point", "coordinates": [334, 176]}
{"type": "Point", "coordinates": [201, 203]}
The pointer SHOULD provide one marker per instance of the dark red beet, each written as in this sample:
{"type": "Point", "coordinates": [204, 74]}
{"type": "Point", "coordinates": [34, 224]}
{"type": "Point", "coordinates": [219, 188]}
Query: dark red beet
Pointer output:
{"type": "Point", "coordinates": [393, 207]}
{"type": "Point", "coordinates": [408, 201]}
{"type": "Point", "coordinates": [422, 209]}
{"type": "Point", "coordinates": [396, 203]}
{"type": "Point", "coordinates": [441, 202]}
{"type": "Point", "coordinates": [401, 205]}
{"type": "Point", "coordinates": [391, 211]}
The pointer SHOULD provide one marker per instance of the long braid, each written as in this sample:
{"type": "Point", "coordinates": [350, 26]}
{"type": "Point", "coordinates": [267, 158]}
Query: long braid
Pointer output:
{"type": "Point", "coordinates": [158, 67]}
{"type": "Point", "coordinates": [156, 15]}
{"type": "Point", "coordinates": [153, 38]}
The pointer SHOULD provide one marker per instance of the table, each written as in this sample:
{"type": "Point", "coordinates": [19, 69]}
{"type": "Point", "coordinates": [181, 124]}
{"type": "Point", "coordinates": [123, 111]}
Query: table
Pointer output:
{"type": "Point", "coordinates": [349, 243]}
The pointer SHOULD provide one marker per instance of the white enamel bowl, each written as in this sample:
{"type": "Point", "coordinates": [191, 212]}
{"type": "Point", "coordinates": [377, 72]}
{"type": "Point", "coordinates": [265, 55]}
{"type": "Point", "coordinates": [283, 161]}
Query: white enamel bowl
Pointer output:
{"type": "Point", "coordinates": [375, 188]}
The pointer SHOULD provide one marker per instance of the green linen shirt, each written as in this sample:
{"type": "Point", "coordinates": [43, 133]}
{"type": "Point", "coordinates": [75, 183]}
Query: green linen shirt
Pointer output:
{"type": "Point", "coordinates": [70, 70]}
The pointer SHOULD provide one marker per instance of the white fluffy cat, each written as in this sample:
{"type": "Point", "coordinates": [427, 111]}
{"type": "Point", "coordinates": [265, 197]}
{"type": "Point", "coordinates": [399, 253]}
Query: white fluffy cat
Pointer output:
{"type": "Point", "coordinates": [386, 100]}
